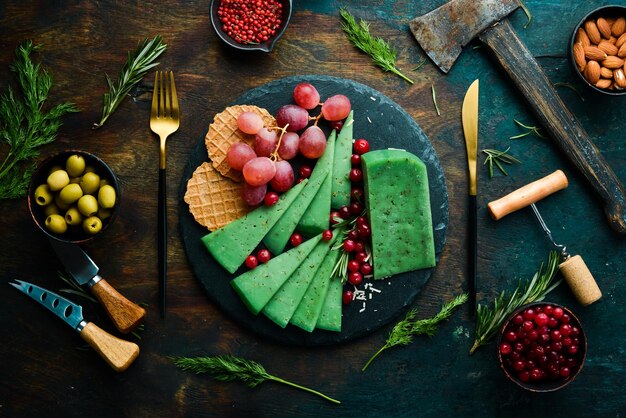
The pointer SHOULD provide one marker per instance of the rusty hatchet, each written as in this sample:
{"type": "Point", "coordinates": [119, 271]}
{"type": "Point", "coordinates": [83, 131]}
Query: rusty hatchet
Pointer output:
{"type": "Point", "coordinates": [443, 33]}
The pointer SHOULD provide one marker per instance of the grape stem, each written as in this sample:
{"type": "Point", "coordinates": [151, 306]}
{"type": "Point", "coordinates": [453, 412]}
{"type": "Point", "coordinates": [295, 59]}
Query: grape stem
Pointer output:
{"type": "Point", "coordinates": [316, 119]}
{"type": "Point", "coordinates": [274, 155]}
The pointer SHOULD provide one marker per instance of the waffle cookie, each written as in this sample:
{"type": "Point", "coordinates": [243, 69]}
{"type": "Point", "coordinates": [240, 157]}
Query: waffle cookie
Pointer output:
{"type": "Point", "coordinates": [214, 200]}
{"type": "Point", "coordinates": [223, 132]}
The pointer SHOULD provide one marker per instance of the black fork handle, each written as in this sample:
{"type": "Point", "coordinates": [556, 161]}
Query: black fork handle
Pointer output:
{"type": "Point", "coordinates": [162, 241]}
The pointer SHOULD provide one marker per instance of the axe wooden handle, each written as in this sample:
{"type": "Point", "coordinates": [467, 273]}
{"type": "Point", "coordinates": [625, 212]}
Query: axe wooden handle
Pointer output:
{"type": "Point", "coordinates": [562, 125]}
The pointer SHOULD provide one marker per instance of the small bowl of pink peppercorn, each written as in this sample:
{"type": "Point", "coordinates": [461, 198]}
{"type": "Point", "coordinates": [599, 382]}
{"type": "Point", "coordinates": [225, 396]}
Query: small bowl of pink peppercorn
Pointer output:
{"type": "Point", "coordinates": [250, 25]}
{"type": "Point", "coordinates": [542, 347]}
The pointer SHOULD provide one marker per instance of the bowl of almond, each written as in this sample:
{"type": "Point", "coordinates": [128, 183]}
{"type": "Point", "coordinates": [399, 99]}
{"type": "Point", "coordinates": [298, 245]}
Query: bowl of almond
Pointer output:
{"type": "Point", "coordinates": [598, 50]}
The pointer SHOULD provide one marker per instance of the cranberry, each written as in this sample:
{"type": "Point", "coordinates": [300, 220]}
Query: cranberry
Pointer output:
{"type": "Point", "coordinates": [517, 319]}
{"type": "Point", "coordinates": [541, 319]}
{"type": "Point", "coordinates": [566, 342]}
{"type": "Point", "coordinates": [572, 349]}
{"type": "Point", "coordinates": [366, 269]}
{"type": "Point", "coordinates": [505, 349]}
{"type": "Point", "coordinates": [519, 347]}
{"type": "Point", "coordinates": [548, 310]}
{"type": "Point", "coordinates": [536, 374]}
{"type": "Point", "coordinates": [518, 366]}
{"type": "Point", "coordinates": [557, 313]}
{"type": "Point", "coordinates": [524, 376]}
{"type": "Point", "coordinates": [353, 266]}
{"type": "Point", "coordinates": [344, 212]}
{"type": "Point", "coordinates": [528, 325]}
{"type": "Point", "coordinates": [251, 262]}
{"type": "Point", "coordinates": [361, 220]}
{"type": "Point", "coordinates": [356, 175]}
{"type": "Point", "coordinates": [556, 346]}
{"type": "Point", "coordinates": [575, 332]}
{"type": "Point", "coordinates": [361, 146]}
{"type": "Point", "coordinates": [565, 372]}
{"type": "Point", "coordinates": [353, 235]}
{"type": "Point", "coordinates": [555, 335]}
{"type": "Point", "coordinates": [347, 297]}
{"type": "Point", "coordinates": [529, 314]}
{"type": "Point", "coordinates": [348, 245]}
{"type": "Point", "coordinates": [336, 125]}
{"type": "Point", "coordinates": [271, 198]}
{"type": "Point", "coordinates": [532, 335]}
{"type": "Point", "coordinates": [356, 208]}
{"type": "Point", "coordinates": [511, 336]}
{"type": "Point", "coordinates": [356, 194]}
{"type": "Point", "coordinates": [565, 319]}
{"type": "Point", "coordinates": [543, 339]}
{"type": "Point", "coordinates": [355, 278]}
{"type": "Point", "coordinates": [327, 235]}
{"type": "Point", "coordinates": [543, 330]}
{"type": "Point", "coordinates": [359, 247]}
{"type": "Point", "coordinates": [364, 230]}
{"type": "Point", "coordinates": [566, 330]}
{"type": "Point", "coordinates": [355, 159]}
{"type": "Point", "coordinates": [335, 217]}
{"type": "Point", "coordinates": [553, 323]}
{"type": "Point", "coordinates": [361, 257]}
{"type": "Point", "coordinates": [264, 255]}
{"type": "Point", "coordinates": [296, 239]}
{"type": "Point", "coordinates": [305, 171]}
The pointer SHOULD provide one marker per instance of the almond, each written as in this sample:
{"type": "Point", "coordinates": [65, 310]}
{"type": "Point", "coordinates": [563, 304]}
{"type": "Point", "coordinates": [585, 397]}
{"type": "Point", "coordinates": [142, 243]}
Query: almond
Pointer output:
{"type": "Point", "coordinates": [615, 86]}
{"type": "Point", "coordinates": [592, 72]}
{"type": "Point", "coordinates": [610, 20]}
{"type": "Point", "coordinates": [608, 48]}
{"type": "Point", "coordinates": [606, 73]}
{"type": "Point", "coordinates": [594, 53]}
{"type": "Point", "coordinates": [613, 62]}
{"type": "Point", "coordinates": [622, 51]}
{"type": "Point", "coordinates": [621, 40]}
{"type": "Point", "coordinates": [592, 32]}
{"type": "Point", "coordinates": [613, 40]}
{"type": "Point", "coordinates": [579, 55]}
{"type": "Point", "coordinates": [604, 83]}
{"type": "Point", "coordinates": [618, 27]}
{"type": "Point", "coordinates": [604, 27]}
{"type": "Point", "coordinates": [581, 36]}
{"type": "Point", "coordinates": [620, 78]}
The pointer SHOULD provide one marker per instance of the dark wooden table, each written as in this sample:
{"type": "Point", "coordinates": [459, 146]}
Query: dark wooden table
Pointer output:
{"type": "Point", "coordinates": [43, 369]}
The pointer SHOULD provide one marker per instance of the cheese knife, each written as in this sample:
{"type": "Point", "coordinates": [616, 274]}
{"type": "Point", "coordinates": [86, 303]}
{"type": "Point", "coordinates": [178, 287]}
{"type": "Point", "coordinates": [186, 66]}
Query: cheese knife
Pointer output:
{"type": "Point", "coordinates": [118, 353]}
{"type": "Point", "coordinates": [125, 314]}
{"type": "Point", "coordinates": [469, 115]}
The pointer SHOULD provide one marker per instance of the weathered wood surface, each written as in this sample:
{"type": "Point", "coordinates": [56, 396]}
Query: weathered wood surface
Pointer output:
{"type": "Point", "coordinates": [44, 368]}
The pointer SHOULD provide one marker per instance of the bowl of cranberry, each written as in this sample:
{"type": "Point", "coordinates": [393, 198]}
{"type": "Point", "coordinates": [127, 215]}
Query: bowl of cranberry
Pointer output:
{"type": "Point", "coordinates": [250, 25]}
{"type": "Point", "coordinates": [542, 347]}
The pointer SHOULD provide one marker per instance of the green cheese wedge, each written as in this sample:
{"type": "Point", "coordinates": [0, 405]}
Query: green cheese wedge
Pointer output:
{"type": "Point", "coordinates": [231, 244]}
{"type": "Point", "coordinates": [330, 315]}
{"type": "Point", "coordinates": [283, 304]}
{"type": "Point", "coordinates": [257, 286]}
{"type": "Point", "coordinates": [310, 306]}
{"type": "Point", "coordinates": [277, 238]}
{"type": "Point", "coordinates": [341, 167]}
{"type": "Point", "coordinates": [315, 219]}
{"type": "Point", "coordinates": [398, 200]}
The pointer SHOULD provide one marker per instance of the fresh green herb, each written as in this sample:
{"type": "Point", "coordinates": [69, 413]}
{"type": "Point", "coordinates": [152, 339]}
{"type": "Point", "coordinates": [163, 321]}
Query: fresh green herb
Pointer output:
{"type": "Point", "coordinates": [498, 158]}
{"type": "Point", "coordinates": [529, 16]}
{"type": "Point", "coordinates": [529, 130]}
{"type": "Point", "coordinates": [74, 288]}
{"type": "Point", "coordinates": [489, 320]}
{"type": "Point", "coordinates": [434, 95]}
{"type": "Point", "coordinates": [420, 64]}
{"type": "Point", "coordinates": [24, 125]}
{"type": "Point", "coordinates": [228, 368]}
{"type": "Point", "coordinates": [377, 48]}
{"type": "Point", "coordinates": [404, 331]}
{"type": "Point", "coordinates": [135, 68]}
{"type": "Point", "coordinates": [571, 87]}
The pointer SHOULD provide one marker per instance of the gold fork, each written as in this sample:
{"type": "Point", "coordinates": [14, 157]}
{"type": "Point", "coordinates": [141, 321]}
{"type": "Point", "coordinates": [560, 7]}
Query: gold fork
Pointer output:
{"type": "Point", "coordinates": [164, 121]}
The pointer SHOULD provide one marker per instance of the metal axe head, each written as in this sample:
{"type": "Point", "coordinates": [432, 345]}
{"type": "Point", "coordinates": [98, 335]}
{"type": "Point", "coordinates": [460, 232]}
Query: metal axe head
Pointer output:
{"type": "Point", "coordinates": [443, 32]}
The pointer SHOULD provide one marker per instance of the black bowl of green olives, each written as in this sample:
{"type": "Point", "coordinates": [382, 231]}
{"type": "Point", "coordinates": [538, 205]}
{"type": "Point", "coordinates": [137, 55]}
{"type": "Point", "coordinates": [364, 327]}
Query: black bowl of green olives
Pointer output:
{"type": "Point", "coordinates": [73, 196]}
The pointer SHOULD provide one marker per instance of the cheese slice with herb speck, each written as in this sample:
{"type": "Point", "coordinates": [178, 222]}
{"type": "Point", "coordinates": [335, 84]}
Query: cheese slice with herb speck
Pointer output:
{"type": "Point", "coordinates": [330, 315]}
{"type": "Point", "coordinates": [342, 165]}
{"type": "Point", "coordinates": [231, 244]}
{"type": "Point", "coordinates": [398, 201]}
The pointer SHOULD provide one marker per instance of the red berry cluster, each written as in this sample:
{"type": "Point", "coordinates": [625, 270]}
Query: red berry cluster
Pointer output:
{"type": "Point", "coordinates": [541, 344]}
{"type": "Point", "coordinates": [250, 21]}
{"type": "Point", "coordinates": [359, 265]}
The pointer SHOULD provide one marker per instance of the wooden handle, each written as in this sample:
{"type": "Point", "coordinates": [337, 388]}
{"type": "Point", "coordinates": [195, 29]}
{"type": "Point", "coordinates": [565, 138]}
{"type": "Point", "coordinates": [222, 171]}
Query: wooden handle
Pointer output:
{"type": "Point", "coordinates": [118, 353]}
{"type": "Point", "coordinates": [125, 314]}
{"type": "Point", "coordinates": [563, 127]}
{"type": "Point", "coordinates": [524, 196]}
{"type": "Point", "coordinates": [580, 280]}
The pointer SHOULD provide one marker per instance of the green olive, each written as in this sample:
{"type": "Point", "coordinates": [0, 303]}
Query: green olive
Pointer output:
{"type": "Point", "coordinates": [88, 205]}
{"type": "Point", "coordinates": [104, 213]}
{"type": "Point", "coordinates": [70, 193]}
{"type": "Point", "coordinates": [73, 217]}
{"type": "Point", "coordinates": [56, 224]}
{"type": "Point", "coordinates": [43, 196]}
{"type": "Point", "coordinates": [92, 225]}
{"type": "Point", "coordinates": [51, 210]}
{"type": "Point", "coordinates": [75, 165]}
{"type": "Point", "coordinates": [60, 203]}
{"type": "Point", "coordinates": [106, 197]}
{"type": "Point", "coordinates": [90, 182]}
{"type": "Point", "coordinates": [58, 180]}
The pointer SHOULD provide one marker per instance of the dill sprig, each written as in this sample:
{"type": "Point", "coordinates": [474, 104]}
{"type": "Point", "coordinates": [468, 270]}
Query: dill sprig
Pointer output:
{"type": "Point", "coordinates": [434, 96]}
{"type": "Point", "coordinates": [529, 130]}
{"type": "Point", "coordinates": [135, 68]}
{"type": "Point", "coordinates": [24, 125]}
{"type": "Point", "coordinates": [228, 368]}
{"type": "Point", "coordinates": [498, 158]}
{"type": "Point", "coordinates": [404, 331]}
{"type": "Point", "coordinates": [489, 320]}
{"type": "Point", "coordinates": [377, 48]}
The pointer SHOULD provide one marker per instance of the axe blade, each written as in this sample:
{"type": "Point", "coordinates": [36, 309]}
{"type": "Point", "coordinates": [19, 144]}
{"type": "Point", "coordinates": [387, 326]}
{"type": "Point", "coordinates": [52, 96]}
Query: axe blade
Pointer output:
{"type": "Point", "coordinates": [443, 32]}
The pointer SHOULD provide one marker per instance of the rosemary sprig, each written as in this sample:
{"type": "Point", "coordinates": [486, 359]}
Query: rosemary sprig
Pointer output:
{"type": "Point", "coordinates": [571, 87]}
{"type": "Point", "coordinates": [404, 331]}
{"type": "Point", "coordinates": [498, 158]}
{"type": "Point", "coordinates": [529, 16]}
{"type": "Point", "coordinates": [24, 125]}
{"type": "Point", "coordinates": [420, 64]}
{"type": "Point", "coordinates": [530, 130]}
{"type": "Point", "coordinates": [434, 95]}
{"type": "Point", "coordinates": [228, 368]}
{"type": "Point", "coordinates": [137, 65]}
{"type": "Point", "coordinates": [377, 48]}
{"type": "Point", "coordinates": [489, 320]}
{"type": "Point", "coordinates": [74, 288]}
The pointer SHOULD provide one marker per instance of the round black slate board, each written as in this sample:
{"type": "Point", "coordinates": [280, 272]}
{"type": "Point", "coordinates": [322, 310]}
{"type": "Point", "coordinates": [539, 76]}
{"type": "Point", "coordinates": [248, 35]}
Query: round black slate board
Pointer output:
{"type": "Point", "coordinates": [385, 125]}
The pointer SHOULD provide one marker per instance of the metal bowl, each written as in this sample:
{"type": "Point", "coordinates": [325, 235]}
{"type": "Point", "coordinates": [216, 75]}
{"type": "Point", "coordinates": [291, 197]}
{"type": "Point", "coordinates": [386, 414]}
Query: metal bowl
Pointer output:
{"type": "Point", "coordinates": [545, 386]}
{"type": "Point", "coordinates": [263, 46]}
{"type": "Point", "coordinates": [74, 234]}
{"type": "Point", "coordinates": [605, 11]}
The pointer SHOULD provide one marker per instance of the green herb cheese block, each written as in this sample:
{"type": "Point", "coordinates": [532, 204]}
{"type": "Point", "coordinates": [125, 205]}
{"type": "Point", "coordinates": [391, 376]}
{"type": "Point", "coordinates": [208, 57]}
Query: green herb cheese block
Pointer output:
{"type": "Point", "coordinates": [341, 167]}
{"type": "Point", "coordinates": [231, 244]}
{"type": "Point", "coordinates": [257, 286]}
{"type": "Point", "coordinates": [277, 238]}
{"type": "Point", "coordinates": [316, 218]}
{"type": "Point", "coordinates": [310, 306]}
{"type": "Point", "coordinates": [330, 315]}
{"type": "Point", "coordinates": [283, 304]}
{"type": "Point", "coordinates": [398, 201]}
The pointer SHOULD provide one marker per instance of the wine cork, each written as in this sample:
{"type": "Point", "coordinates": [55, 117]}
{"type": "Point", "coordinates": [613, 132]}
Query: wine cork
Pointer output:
{"type": "Point", "coordinates": [580, 280]}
